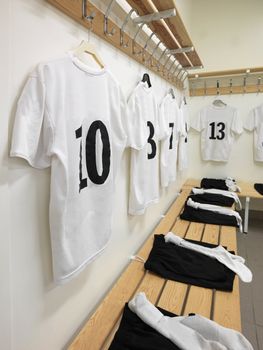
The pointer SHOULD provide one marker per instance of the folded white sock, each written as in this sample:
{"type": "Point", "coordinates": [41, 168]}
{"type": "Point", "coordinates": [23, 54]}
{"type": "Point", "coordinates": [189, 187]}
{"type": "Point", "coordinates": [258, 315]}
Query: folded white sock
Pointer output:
{"type": "Point", "coordinates": [188, 332]}
{"type": "Point", "coordinates": [233, 262]}
{"type": "Point", "coordinates": [217, 191]}
{"type": "Point", "coordinates": [231, 184]}
{"type": "Point", "coordinates": [216, 209]}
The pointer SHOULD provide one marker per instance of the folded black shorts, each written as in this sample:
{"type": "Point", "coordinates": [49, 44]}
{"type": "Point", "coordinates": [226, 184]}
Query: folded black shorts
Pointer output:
{"type": "Point", "coordinates": [213, 198]}
{"type": "Point", "coordinates": [214, 183]}
{"type": "Point", "coordinates": [180, 264]}
{"type": "Point", "coordinates": [259, 188]}
{"type": "Point", "coordinates": [208, 217]}
{"type": "Point", "coordinates": [134, 334]}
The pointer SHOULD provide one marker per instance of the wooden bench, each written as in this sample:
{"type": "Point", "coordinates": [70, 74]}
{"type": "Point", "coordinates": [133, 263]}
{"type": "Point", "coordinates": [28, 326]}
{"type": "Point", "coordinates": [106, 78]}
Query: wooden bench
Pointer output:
{"type": "Point", "coordinates": [222, 307]}
{"type": "Point", "coordinates": [247, 191]}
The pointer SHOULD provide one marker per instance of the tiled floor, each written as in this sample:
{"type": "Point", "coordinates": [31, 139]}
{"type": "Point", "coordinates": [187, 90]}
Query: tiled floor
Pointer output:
{"type": "Point", "coordinates": [250, 246]}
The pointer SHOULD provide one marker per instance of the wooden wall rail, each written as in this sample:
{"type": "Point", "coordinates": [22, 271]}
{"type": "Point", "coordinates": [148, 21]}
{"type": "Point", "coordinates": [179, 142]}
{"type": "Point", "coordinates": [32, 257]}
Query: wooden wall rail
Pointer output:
{"type": "Point", "coordinates": [240, 81]}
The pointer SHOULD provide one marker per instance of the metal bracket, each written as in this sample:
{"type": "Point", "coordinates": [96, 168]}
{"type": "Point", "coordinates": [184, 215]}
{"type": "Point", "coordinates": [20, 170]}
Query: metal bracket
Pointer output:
{"type": "Point", "coordinates": [134, 40]}
{"type": "Point", "coordinates": [194, 67]}
{"type": "Point", "coordinates": [156, 16]}
{"type": "Point", "coordinates": [106, 19]}
{"type": "Point", "coordinates": [182, 50]}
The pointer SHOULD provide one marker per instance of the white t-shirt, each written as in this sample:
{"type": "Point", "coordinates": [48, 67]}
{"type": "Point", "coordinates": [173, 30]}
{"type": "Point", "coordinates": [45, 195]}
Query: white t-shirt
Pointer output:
{"type": "Point", "coordinates": [217, 126]}
{"type": "Point", "coordinates": [255, 122]}
{"type": "Point", "coordinates": [171, 128]}
{"type": "Point", "coordinates": [183, 140]}
{"type": "Point", "coordinates": [72, 118]}
{"type": "Point", "coordinates": [144, 136]}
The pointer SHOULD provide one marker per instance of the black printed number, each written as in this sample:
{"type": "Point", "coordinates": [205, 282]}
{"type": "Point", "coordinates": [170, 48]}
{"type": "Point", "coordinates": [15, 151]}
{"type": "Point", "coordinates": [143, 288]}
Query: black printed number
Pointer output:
{"type": "Point", "coordinates": [217, 131]}
{"type": "Point", "coordinates": [171, 125]}
{"type": "Point", "coordinates": [90, 147]}
{"type": "Point", "coordinates": [151, 141]}
{"type": "Point", "coordinates": [186, 131]}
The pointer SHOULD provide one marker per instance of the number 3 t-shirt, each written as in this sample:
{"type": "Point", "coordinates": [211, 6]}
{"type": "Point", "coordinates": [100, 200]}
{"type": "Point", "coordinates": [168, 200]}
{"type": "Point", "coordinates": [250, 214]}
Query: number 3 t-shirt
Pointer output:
{"type": "Point", "coordinates": [72, 118]}
{"type": "Point", "coordinates": [218, 126]}
{"type": "Point", "coordinates": [144, 136]}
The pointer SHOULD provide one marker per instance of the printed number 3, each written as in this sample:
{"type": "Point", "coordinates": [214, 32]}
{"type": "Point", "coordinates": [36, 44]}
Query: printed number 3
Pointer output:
{"type": "Point", "coordinates": [220, 134]}
{"type": "Point", "coordinates": [151, 141]}
{"type": "Point", "coordinates": [91, 165]}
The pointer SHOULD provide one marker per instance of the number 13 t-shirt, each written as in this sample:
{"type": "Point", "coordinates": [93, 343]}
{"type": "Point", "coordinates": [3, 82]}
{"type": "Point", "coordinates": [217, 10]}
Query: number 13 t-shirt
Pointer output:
{"type": "Point", "coordinates": [72, 118]}
{"type": "Point", "coordinates": [218, 126]}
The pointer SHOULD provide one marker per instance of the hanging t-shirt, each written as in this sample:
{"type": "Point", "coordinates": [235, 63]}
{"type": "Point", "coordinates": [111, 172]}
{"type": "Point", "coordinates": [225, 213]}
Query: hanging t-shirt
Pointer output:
{"type": "Point", "coordinates": [72, 118]}
{"type": "Point", "coordinates": [144, 136]}
{"type": "Point", "coordinates": [218, 126]}
{"type": "Point", "coordinates": [173, 129]}
{"type": "Point", "coordinates": [255, 122]}
{"type": "Point", "coordinates": [183, 140]}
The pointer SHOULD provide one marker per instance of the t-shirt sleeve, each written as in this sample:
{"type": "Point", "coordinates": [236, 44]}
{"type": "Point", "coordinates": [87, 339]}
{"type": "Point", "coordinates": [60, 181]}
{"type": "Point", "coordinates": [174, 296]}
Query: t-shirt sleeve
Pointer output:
{"type": "Point", "coordinates": [181, 123]}
{"type": "Point", "coordinates": [250, 121]}
{"type": "Point", "coordinates": [163, 125]}
{"type": "Point", "coordinates": [237, 125]}
{"type": "Point", "coordinates": [136, 134]}
{"type": "Point", "coordinates": [198, 122]}
{"type": "Point", "coordinates": [32, 132]}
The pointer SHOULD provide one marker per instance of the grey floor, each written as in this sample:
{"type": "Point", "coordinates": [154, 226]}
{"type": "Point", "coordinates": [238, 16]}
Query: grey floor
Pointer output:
{"type": "Point", "coordinates": [250, 246]}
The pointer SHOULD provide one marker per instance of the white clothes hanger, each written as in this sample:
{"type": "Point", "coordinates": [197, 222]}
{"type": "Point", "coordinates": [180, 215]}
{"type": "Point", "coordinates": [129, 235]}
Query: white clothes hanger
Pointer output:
{"type": "Point", "coordinates": [86, 47]}
{"type": "Point", "coordinates": [218, 102]}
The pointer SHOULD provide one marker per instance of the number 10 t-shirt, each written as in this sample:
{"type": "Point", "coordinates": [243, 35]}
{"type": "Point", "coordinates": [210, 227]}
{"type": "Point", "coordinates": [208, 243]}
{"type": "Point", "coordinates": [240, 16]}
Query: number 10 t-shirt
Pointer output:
{"type": "Point", "coordinates": [218, 126]}
{"type": "Point", "coordinates": [72, 118]}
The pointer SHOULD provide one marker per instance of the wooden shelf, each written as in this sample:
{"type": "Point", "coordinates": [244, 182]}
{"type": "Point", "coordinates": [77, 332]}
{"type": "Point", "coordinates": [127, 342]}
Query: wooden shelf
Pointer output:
{"type": "Point", "coordinates": [176, 26]}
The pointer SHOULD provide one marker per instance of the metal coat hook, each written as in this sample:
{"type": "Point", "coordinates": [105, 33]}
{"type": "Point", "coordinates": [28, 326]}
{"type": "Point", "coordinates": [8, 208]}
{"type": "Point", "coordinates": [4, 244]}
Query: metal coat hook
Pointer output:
{"type": "Point", "coordinates": [231, 86]}
{"type": "Point", "coordinates": [217, 87]}
{"type": "Point", "coordinates": [152, 54]}
{"type": "Point", "coordinates": [169, 70]}
{"type": "Point", "coordinates": [106, 19]}
{"type": "Point", "coordinates": [85, 16]}
{"type": "Point", "coordinates": [186, 75]}
{"type": "Point", "coordinates": [134, 40]}
{"type": "Point", "coordinates": [259, 83]}
{"type": "Point", "coordinates": [165, 64]}
{"type": "Point", "coordinates": [146, 44]}
{"type": "Point", "coordinates": [125, 22]}
{"type": "Point", "coordinates": [160, 58]}
{"type": "Point", "coordinates": [245, 85]}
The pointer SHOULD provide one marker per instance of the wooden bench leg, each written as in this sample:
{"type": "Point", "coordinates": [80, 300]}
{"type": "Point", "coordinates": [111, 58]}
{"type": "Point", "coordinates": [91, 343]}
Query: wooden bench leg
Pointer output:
{"type": "Point", "coordinates": [246, 214]}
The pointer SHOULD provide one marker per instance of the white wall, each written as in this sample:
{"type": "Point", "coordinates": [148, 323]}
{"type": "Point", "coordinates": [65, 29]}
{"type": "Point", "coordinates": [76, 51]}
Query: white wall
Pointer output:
{"type": "Point", "coordinates": [5, 261]}
{"type": "Point", "coordinates": [35, 314]}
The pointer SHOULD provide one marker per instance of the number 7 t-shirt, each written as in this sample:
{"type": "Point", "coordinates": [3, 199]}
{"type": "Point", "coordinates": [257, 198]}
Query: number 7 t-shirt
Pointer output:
{"type": "Point", "coordinates": [72, 118]}
{"type": "Point", "coordinates": [218, 126]}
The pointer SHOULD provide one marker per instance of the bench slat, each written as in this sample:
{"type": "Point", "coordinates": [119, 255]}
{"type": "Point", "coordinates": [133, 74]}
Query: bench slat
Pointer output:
{"type": "Point", "coordinates": [227, 305]}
